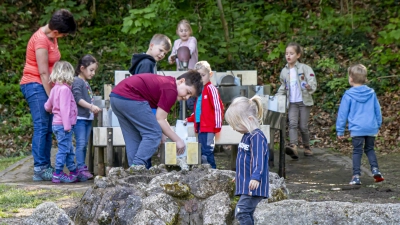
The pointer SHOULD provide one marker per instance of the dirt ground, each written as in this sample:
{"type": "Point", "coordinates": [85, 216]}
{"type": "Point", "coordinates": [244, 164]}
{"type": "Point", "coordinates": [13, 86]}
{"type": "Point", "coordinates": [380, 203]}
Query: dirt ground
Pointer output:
{"type": "Point", "coordinates": [322, 177]}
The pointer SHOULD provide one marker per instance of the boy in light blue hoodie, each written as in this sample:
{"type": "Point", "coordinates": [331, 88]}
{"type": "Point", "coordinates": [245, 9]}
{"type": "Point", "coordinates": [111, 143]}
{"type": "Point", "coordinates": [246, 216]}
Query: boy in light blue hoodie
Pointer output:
{"type": "Point", "coordinates": [361, 108]}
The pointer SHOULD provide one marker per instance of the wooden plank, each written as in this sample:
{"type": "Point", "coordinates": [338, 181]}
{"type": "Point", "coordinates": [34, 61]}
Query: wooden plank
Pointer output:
{"type": "Point", "coordinates": [227, 136]}
{"type": "Point", "coordinates": [170, 153]}
{"type": "Point", "coordinates": [192, 153]}
{"type": "Point", "coordinates": [100, 161]}
{"type": "Point", "coordinates": [247, 77]}
{"type": "Point", "coordinates": [110, 149]}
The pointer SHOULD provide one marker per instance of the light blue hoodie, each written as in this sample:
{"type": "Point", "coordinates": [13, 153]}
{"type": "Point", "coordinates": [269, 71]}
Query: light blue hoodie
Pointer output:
{"type": "Point", "coordinates": [361, 108]}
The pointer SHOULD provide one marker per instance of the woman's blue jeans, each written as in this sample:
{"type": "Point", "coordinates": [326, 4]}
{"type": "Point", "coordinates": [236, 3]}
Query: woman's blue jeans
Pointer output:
{"type": "Point", "coordinates": [82, 130]}
{"type": "Point", "coordinates": [36, 96]}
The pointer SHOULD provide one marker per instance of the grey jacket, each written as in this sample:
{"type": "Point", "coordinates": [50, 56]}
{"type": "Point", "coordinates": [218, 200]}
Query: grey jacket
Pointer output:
{"type": "Point", "coordinates": [80, 91]}
{"type": "Point", "coordinates": [304, 71]}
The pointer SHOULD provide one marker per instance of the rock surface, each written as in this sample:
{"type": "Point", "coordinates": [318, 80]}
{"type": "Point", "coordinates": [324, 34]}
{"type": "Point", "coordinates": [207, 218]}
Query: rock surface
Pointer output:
{"type": "Point", "coordinates": [329, 212]}
{"type": "Point", "coordinates": [156, 196]}
{"type": "Point", "coordinates": [48, 213]}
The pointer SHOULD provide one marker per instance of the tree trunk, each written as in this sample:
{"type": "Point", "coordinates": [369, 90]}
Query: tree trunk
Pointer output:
{"type": "Point", "coordinates": [225, 26]}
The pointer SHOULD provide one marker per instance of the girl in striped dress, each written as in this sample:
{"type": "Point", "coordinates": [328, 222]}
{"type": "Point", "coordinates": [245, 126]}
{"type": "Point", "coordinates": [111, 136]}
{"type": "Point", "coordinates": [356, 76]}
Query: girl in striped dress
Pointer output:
{"type": "Point", "coordinates": [244, 116]}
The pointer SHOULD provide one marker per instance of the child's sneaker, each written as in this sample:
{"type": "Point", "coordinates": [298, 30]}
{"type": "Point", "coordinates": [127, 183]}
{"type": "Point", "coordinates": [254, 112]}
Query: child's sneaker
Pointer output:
{"type": "Point", "coordinates": [291, 150]}
{"type": "Point", "coordinates": [377, 175]}
{"type": "Point", "coordinates": [63, 178]}
{"type": "Point", "coordinates": [85, 172]}
{"type": "Point", "coordinates": [355, 180]}
{"type": "Point", "coordinates": [45, 174]}
{"type": "Point", "coordinates": [79, 176]}
{"type": "Point", "coordinates": [307, 151]}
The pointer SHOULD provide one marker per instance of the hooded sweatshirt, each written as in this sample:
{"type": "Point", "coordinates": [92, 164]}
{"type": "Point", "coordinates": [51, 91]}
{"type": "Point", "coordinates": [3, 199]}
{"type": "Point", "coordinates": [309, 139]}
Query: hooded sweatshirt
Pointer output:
{"type": "Point", "coordinates": [143, 63]}
{"type": "Point", "coordinates": [361, 108]}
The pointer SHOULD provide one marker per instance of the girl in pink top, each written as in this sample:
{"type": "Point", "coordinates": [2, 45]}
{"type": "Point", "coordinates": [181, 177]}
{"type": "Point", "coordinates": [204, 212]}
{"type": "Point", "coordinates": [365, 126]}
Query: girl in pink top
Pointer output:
{"type": "Point", "coordinates": [62, 105]}
{"type": "Point", "coordinates": [184, 31]}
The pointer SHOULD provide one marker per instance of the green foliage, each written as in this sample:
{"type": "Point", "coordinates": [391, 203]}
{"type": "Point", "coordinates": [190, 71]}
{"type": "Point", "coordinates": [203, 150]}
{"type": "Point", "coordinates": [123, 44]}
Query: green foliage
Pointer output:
{"type": "Point", "coordinates": [334, 36]}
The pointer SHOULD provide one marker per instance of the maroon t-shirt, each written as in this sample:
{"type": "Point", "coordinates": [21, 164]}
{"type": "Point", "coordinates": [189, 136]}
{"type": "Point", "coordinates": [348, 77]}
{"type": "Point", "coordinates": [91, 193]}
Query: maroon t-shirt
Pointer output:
{"type": "Point", "coordinates": [158, 91]}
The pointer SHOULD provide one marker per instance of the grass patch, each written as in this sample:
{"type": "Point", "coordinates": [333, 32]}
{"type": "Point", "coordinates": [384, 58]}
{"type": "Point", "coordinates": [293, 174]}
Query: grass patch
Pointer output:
{"type": "Point", "coordinates": [6, 162]}
{"type": "Point", "coordinates": [13, 198]}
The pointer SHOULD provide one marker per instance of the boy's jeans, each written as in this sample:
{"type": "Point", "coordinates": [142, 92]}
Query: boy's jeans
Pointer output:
{"type": "Point", "coordinates": [65, 154]}
{"type": "Point", "coordinates": [82, 131]}
{"type": "Point", "coordinates": [358, 144]}
{"type": "Point", "coordinates": [141, 131]}
{"type": "Point", "coordinates": [207, 147]}
{"type": "Point", "coordinates": [36, 96]}
{"type": "Point", "coordinates": [296, 110]}
{"type": "Point", "coordinates": [245, 209]}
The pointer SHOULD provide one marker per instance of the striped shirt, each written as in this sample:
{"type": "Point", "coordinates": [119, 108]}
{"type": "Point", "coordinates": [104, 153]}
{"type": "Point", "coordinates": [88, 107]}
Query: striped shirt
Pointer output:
{"type": "Point", "coordinates": [252, 164]}
{"type": "Point", "coordinates": [31, 70]}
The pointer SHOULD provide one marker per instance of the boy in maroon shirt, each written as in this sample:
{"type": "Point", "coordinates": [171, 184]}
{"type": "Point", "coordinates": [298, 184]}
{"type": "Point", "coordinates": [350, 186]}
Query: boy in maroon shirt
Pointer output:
{"type": "Point", "coordinates": [132, 100]}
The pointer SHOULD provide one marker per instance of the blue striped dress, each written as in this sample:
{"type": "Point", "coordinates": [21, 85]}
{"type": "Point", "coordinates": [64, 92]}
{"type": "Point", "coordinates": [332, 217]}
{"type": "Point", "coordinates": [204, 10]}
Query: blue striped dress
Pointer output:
{"type": "Point", "coordinates": [252, 164]}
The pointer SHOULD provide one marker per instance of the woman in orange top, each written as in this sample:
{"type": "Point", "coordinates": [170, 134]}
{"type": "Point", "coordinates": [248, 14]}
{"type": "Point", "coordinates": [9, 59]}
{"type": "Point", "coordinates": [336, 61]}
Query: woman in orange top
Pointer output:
{"type": "Point", "coordinates": [41, 54]}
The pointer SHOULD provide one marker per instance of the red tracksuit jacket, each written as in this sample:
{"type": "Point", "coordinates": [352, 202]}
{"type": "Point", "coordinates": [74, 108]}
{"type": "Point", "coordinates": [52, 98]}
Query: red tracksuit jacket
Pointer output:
{"type": "Point", "coordinates": [212, 111]}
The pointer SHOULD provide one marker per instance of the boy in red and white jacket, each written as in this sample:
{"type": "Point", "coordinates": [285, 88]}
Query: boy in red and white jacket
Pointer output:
{"type": "Point", "coordinates": [207, 114]}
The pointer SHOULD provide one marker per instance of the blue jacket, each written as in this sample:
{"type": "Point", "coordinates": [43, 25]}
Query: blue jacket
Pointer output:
{"type": "Point", "coordinates": [361, 108]}
{"type": "Point", "coordinates": [252, 164]}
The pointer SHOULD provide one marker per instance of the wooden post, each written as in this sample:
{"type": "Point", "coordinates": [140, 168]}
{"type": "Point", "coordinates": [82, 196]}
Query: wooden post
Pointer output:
{"type": "Point", "coordinates": [162, 153]}
{"type": "Point", "coordinates": [90, 151]}
{"type": "Point", "coordinates": [282, 136]}
{"type": "Point", "coordinates": [199, 149]}
{"type": "Point", "coordinates": [110, 152]}
{"type": "Point", "coordinates": [107, 90]}
{"type": "Point", "coordinates": [118, 157]}
{"type": "Point", "coordinates": [271, 147]}
{"type": "Point", "coordinates": [100, 150]}
{"type": "Point", "coordinates": [233, 156]}
{"type": "Point", "coordinates": [125, 163]}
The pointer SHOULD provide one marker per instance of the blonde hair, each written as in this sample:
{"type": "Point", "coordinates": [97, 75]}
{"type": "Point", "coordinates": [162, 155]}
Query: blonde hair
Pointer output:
{"type": "Point", "coordinates": [358, 73]}
{"type": "Point", "coordinates": [244, 115]}
{"type": "Point", "coordinates": [203, 65]}
{"type": "Point", "coordinates": [186, 24]}
{"type": "Point", "coordinates": [161, 39]}
{"type": "Point", "coordinates": [63, 72]}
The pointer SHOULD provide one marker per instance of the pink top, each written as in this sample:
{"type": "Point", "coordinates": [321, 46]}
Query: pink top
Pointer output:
{"type": "Point", "coordinates": [191, 43]}
{"type": "Point", "coordinates": [62, 104]}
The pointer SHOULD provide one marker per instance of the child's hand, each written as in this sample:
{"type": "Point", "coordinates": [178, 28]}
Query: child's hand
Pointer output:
{"type": "Point", "coordinates": [180, 147]}
{"type": "Point", "coordinates": [308, 87]}
{"type": "Point", "coordinates": [185, 122]}
{"type": "Point", "coordinates": [340, 137]}
{"type": "Point", "coordinates": [233, 180]}
{"type": "Point", "coordinates": [172, 59]}
{"type": "Point", "coordinates": [253, 184]}
{"type": "Point", "coordinates": [95, 109]}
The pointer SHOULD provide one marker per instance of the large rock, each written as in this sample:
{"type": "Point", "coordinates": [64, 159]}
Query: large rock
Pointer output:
{"type": "Point", "coordinates": [156, 196]}
{"type": "Point", "coordinates": [48, 213]}
{"type": "Point", "coordinates": [217, 210]}
{"type": "Point", "coordinates": [330, 212]}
